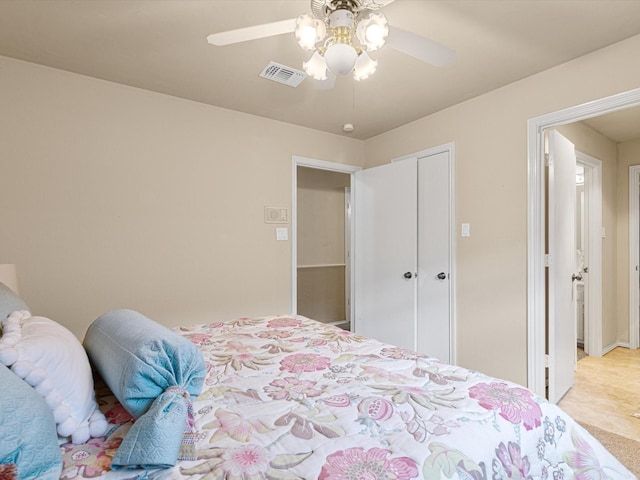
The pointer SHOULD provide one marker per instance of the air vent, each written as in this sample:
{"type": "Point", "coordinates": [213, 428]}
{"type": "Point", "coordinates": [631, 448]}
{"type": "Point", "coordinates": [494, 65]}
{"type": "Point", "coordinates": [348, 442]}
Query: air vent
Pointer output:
{"type": "Point", "coordinates": [282, 74]}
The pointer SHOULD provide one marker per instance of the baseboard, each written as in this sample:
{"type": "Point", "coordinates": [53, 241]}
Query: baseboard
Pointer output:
{"type": "Point", "coordinates": [613, 345]}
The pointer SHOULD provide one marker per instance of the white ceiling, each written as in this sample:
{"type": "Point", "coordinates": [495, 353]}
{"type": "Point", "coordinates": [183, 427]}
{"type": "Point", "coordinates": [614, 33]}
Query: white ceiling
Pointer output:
{"type": "Point", "coordinates": [160, 45]}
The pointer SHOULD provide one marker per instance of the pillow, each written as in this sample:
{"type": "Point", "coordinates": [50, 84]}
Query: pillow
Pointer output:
{"type": "Point", "coordinates": [28, 441]}
{"type": "Point", "coordinates": [154, 373]}
{"type": "Point", "coordinates": [139, 359]}
{"type": "Point", "coordinates": [9, 302]}
{"type": "Point", "coordinates": [51, 359]}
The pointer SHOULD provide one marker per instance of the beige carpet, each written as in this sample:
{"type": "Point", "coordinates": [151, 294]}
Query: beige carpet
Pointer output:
{"type": "Point", "coordinates": [624, 449]}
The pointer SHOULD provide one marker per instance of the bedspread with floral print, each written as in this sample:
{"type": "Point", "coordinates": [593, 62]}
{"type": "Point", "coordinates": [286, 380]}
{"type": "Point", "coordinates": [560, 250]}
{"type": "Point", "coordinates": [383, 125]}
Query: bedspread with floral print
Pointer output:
{"type": "Point", "coordinates": [290, 398]}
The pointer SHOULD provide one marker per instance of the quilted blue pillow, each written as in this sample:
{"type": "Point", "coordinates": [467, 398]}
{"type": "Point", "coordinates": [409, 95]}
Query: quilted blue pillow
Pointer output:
{"type": "Point", "coordinates": [29, 438]}
{"type": "Point", "coordinates": [139, 359]}
{"type": "Point", "coordinates": [9, 302]}
{"type": "Point", "coordinates": [154, 373]}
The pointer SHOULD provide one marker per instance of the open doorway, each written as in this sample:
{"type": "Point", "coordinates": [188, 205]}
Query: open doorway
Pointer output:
{"type": "Point", "coordinates": [536, 304]}
{"type": "Point", "coordinates": [574, 220]}
{"type": "Point", "coordinates": [582, 265]}
{"type": "Point", "coordinates": [322, 244]}
{"type": "Point", "coordinates": [589, 253]}
{"type": "Point", "coordinates": [322, 258]}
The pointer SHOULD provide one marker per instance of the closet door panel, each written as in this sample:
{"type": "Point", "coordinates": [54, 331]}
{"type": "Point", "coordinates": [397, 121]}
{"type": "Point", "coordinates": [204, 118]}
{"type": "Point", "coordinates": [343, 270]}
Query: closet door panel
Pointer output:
{"type": "Point", "coordinates": [434, 257]}
{"type": "Point", "coordinates": [386, 253]}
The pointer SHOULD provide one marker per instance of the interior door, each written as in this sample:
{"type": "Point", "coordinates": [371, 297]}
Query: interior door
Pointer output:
{"type": "Point", "coordinates": [434, 257]}
{"type": "Point", "coordinates": [562, 265]}
{"type": "Point", "coordinates": [386, 253]}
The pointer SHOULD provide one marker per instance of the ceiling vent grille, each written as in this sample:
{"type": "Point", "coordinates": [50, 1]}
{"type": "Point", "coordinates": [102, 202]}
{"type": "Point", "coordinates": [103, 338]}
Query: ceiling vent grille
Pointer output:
{"type": "Point", "coordinates": [282, 74]}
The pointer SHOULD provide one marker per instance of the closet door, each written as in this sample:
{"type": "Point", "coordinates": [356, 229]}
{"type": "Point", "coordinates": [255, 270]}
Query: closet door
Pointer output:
{"type": "Point", "coordinates": [434, 257]}
{"type": "Point", "coordinates": [386, 253]}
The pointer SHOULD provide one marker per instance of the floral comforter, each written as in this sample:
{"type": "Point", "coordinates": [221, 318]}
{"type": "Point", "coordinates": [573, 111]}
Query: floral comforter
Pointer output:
{"type": "Point", "coordinates": [290, 398]}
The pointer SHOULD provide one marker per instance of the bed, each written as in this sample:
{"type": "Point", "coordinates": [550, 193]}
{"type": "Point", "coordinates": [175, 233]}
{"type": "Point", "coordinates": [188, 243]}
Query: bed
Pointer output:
{"type": "Point", "coordinates": [286, 397]}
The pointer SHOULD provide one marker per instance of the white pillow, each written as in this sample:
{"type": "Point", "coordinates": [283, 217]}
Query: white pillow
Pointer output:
{"type": "Point", "coordinates": [52, 360]}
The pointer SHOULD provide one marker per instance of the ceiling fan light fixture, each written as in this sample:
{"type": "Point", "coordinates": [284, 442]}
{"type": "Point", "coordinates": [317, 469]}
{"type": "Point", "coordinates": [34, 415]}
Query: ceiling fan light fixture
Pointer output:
{"type": "Point", "coordinates": [341, 18]}
{"type": "Point", "coordinates": [364, 67]}
{"type": "Point", "coordinates": [341, 58]}
{"type": "Point", "coordinates": [316, 67]}
{"type": "Point", "coordinates": [372, 31]}
{"type": "Point", "coordinates": [309, 31]}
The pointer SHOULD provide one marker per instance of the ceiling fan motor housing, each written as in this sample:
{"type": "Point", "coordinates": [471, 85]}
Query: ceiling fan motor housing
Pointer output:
{"type": "Point", "coordinates": [341, 18]}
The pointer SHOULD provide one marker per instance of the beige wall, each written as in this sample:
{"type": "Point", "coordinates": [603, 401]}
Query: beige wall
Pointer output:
{"type": "Point", "coordinates": [116, 197]}
{"type": "Point", "coordinates": [628, 154]}
{"type": "Point", "coordinates": [589, 141]}
{"type": "Point", "coordinates": [321, 216]}
{"type": "Point", "coordinates": [490, 135]}
{"type": "Point", "coordinates": [113, 197]}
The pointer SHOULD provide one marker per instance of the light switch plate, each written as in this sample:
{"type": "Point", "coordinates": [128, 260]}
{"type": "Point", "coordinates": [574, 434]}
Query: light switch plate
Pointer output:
{"type": "Point", "coordinates": [282, 233]}
{"type": "Point", "coordinates": [466, 230]}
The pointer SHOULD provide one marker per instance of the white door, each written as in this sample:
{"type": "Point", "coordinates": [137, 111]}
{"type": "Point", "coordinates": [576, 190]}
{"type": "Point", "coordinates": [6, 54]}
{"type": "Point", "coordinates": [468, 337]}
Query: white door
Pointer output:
{"type": "Point", "coordinates": [562, 265]}
{"type": "Point", "coordinates": [386, 257]}
{"type": "Point", "coordinates": [434, 257]}
{"type": "Point", "coordinates": [403, 229]}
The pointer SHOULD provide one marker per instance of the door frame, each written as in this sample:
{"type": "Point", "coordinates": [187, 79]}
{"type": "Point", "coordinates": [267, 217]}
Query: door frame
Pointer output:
{"type": "Point", "coordinates": [536, 285]}
{"type": "Point", "coordinates": [634, 256]}
{"type": "Point", "coordinates": [593, 289]}
{"type": "Point", "coordinates": [449, 148]}
{"type": "Point", "coordinates": [298, 161]}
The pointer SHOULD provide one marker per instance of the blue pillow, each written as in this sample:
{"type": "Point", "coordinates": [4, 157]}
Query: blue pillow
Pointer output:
{"type": "Point", "coordinates": [139, 359]}
{"type": "Point", "coordinates": [29, 439]}
{"type": "Point", "coordinates": [9, 302]}
{"type": "Point", "coordinates": [153, 372]}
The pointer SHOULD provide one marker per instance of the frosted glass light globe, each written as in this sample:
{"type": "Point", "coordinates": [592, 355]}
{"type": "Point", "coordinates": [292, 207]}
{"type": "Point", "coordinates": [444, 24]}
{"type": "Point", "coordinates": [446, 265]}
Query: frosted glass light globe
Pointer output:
{"type": "Point", "coordinates": [341, 58]}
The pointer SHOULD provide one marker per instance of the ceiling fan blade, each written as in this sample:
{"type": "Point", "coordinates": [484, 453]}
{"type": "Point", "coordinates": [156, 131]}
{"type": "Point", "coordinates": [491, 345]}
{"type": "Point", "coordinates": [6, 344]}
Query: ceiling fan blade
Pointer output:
{"type": "Point", "coordinates": [252, 33]}
{"type": "Point", "coordinates": [419, 47]}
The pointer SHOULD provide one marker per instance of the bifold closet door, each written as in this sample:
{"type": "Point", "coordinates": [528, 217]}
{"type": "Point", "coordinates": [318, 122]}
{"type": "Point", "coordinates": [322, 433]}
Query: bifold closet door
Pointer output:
{"type": "Point", "coordinates": [386, 200]}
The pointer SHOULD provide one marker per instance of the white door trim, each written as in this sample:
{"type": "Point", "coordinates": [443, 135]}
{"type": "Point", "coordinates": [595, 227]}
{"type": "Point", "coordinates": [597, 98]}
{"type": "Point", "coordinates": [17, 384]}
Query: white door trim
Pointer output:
{"type": "Point", "coordinates": [634, 261]}
{"type": "Point", "coordinates": [298, 161]}
{"type": "Point", "coordinates": [536, 126]}
{"type": "Point", "coordinates": [451, 149]}
{"type": "Point", "coordinates": [593, 192]}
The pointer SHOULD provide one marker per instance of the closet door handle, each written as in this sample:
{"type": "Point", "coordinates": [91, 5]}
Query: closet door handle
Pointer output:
{"type": "Point", "coordinates": [407, 275]}
{"type": "Point", "coordinates": [442, 275]}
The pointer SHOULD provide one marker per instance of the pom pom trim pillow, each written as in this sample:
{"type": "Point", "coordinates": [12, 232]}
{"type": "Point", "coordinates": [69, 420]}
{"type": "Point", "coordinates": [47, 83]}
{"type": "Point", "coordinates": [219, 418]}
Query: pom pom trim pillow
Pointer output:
{"type": "Point", "coordinates": [51, 359]}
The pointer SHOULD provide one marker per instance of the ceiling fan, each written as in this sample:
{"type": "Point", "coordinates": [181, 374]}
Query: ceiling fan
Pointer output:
{"type": "Point", "coordinates": [341, 33]}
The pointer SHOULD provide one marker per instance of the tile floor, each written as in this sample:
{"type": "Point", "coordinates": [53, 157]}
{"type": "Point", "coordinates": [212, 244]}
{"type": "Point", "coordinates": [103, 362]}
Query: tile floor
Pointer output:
{"type": "Point", "coordinates": [606, 393]}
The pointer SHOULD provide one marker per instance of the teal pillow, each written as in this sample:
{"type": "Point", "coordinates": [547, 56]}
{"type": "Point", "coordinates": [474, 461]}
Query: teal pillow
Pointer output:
{"type": "Point", "coordinates": [9, 302]}
{"type": "Point", "coordinates": [29, 439]}
{"type": "Point", "coordinates": [139, 359]}
{"type": "Point", "coordinates": [154, 373]}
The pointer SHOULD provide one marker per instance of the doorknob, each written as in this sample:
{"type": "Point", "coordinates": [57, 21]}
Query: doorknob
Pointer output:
{"type": "Point", "coordinates": [408, 275]}
{"type": "Point", "coordinates": [575, 277]}
{"type": "Point", "coordinates": [442, 275]}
